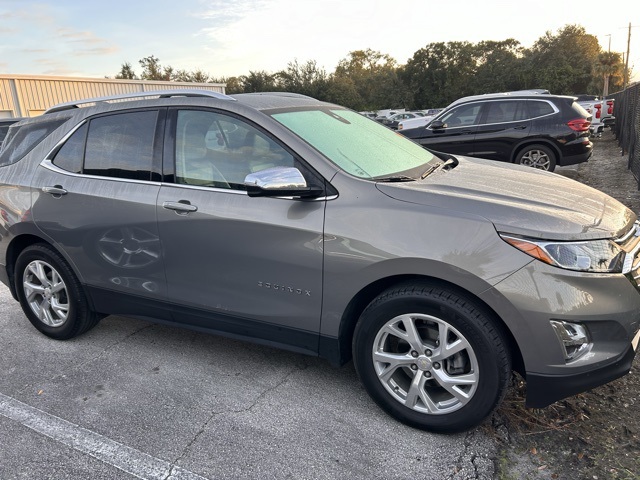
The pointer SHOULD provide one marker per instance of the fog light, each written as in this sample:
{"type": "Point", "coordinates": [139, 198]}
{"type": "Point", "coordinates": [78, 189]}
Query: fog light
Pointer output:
{"type": "Point", "coordinates": [574, 339]}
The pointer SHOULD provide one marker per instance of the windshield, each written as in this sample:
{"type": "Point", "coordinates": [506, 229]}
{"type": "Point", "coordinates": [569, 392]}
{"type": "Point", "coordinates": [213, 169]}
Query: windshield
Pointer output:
{"type": "Point", "coordinates": [357, 145]}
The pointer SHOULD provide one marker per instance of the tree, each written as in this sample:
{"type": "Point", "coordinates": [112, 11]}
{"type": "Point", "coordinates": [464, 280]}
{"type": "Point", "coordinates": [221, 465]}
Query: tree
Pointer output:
{"type": "Point", "coordinates": [126, 72]}
{"type": "Point", "coordinates": [152, 70]}
{"type": "Point", "coordinates": [375, 78]}
{"type": "Point", "coordinates": [259, 81]}
{"type": "Point", "coordinates": [306, 79]}
{"type": "Point", "coordinates": [608, 72]}
{"type": "Point", "coordinates": [498, 66]}
{"type": "Point", "coordinates": [563, 63]}
{"type": "Point", "coordinates": [440, 73]}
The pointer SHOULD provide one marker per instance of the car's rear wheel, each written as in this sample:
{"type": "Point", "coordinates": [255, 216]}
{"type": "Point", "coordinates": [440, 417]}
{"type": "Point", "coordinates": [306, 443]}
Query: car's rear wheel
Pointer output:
{"type": "Point", "coordinates": [537, 156]}
{"type": "Point", "coordinates": [431, 358]}
{"type": "Point", "coordinates": [50, 294]}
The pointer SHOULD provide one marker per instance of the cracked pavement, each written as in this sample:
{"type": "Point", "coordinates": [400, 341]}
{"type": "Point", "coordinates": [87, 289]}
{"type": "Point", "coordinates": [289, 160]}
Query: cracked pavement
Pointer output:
{"type": "Point", "coordinates": [207, 405]}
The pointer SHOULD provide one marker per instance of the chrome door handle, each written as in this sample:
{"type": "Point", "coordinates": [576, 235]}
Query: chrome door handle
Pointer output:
{"type": "Point", "coordinates": [56, 190]}
{"type": "Point", "coordinates": [180, 207]}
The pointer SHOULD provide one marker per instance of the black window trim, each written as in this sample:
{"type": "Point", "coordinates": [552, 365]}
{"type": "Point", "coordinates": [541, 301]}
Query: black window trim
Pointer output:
{"type": "Point", "coordinates": [156, 162]}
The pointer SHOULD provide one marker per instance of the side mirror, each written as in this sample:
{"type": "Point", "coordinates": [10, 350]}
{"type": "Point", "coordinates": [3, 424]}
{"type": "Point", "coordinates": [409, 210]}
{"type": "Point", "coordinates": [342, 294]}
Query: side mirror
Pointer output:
{"type": "Point", "coordinates": [437, 125]}
{"type": "Point", "coordinates": [279, 182]}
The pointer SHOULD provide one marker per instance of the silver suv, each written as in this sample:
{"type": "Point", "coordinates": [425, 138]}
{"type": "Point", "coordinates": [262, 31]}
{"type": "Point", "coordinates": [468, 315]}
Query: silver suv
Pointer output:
{"type": "Point", "coordinates": [292, 222]}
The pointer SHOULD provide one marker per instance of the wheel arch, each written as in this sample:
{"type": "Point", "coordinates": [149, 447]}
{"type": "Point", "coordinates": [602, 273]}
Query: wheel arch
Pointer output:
{"type": "Point", "coordinates": [367, 294]}
{"type": "Point", "coordinates": [17, 246]}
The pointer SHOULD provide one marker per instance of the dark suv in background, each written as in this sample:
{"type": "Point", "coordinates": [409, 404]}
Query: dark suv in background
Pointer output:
{"type": "Point", "coordinates": [538, 130]}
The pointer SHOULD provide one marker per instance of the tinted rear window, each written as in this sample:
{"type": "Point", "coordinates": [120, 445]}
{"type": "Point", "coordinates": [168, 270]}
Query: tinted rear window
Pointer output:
{"type": "Point", "coordinates": [121, 145]}
{"type": "Point", "coordinates": [21, 140]}
{"type": "Point", "coordinates": [539, 109]}
{"type": "Point", "coordinates": [3, 132]}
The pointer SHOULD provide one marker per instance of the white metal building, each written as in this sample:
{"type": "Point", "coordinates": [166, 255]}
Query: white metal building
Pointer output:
{"type": "Point", "coordinates": [29, 96]}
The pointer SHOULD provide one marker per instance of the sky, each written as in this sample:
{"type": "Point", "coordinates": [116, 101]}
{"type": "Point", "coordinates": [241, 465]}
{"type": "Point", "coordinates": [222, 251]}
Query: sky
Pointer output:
{"type": "Point", "coordinates": [233, 37]}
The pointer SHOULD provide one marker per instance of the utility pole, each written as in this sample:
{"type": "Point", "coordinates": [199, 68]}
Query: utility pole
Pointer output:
{"type": "Point", "coordinates": [626, 64]}
{"type": "Point", "coordinates": [605, 89]}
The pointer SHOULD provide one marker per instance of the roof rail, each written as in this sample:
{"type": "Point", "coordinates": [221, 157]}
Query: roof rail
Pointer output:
{"type": "Point", "coordinates": [124, 96]}
{"type": "Point", "coordinates": [281, 94]}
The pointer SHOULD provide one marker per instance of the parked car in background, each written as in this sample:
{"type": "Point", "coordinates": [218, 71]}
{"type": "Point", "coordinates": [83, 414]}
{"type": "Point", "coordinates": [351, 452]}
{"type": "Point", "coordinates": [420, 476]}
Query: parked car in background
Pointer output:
{"type": "Point", "coordinates": [393, 121]}
{"type": "Point", "coordinates": [5, 123]}
{"type": "Point", "coordinates": [600, 110]}
{"type": "Point", "coordinates": [301, 224]}
{"type": "Point", "coordinates": [419, 121]}
{"type": "Point", "coordinates": [388, 112]}
{"type": "Point", "coordinates": [538, 130]}
{"type": "Point", "coordinates": [371, 115]}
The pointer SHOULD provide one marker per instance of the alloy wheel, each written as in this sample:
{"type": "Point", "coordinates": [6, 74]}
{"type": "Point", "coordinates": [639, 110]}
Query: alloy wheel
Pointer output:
{"type": "Point", "coordinates": [425, 363]}
{"type": "Point", "coordinates": [46, 293]}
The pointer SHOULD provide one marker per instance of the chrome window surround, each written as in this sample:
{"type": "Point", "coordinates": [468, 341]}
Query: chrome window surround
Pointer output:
{"type": "Point", "coordinates": [46, 163]}
{"type": "Point", "coordinates": [555, 111]}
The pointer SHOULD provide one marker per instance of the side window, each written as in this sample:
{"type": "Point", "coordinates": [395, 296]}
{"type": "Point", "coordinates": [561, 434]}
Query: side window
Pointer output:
{"type": "Point", "coordinates": [70, 155]}
{"type": "Point", "coordinates": [539, 108]}
{"type": "Point", "coordinates": [219, 151]}
{"type": "Point", "coordinates": [121, 145]}
{"type": "Point", "coordinates": [464, 115]}
{"type": "Point", "coordinates": [505, 111]}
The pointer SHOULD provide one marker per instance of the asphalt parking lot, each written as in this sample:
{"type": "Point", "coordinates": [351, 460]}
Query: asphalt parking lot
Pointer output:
{"type": "Point", "coordinates": [134, 399]}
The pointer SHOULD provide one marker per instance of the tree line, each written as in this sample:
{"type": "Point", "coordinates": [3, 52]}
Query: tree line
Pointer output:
{"type": "Point", "coordinates": [570, 61]}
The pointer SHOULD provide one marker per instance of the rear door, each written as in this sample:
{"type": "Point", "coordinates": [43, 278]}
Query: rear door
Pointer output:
{"type": "Point", "coordinates": [503, 124]}
{"type": "Point", "coordinates": [95, 198]}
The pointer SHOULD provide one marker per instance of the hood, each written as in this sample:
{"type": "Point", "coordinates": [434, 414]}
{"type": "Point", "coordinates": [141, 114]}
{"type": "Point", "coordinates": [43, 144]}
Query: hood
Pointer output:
{"type": "Point", "coordinates": [519, 200]}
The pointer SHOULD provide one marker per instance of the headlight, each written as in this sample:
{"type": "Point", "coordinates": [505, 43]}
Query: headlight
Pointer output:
{"type": "Point", "coordinates": [604, 256]}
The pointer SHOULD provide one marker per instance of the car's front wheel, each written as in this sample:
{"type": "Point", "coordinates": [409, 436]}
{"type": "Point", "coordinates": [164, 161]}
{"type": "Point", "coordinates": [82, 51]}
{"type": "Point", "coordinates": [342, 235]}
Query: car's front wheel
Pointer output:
{"type": "Point", "coordinates": [537, 156]}
{"type": "Point", "coordinates": [431, 358]}
{"type": "Point", "coordinates": [50, 294]}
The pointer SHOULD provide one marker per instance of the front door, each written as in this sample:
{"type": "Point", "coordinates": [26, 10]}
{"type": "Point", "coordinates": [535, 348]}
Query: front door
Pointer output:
{"type": "Point", "coordinates": [457, 134]}
{"type": "Point", "coordinates": [238, 264]}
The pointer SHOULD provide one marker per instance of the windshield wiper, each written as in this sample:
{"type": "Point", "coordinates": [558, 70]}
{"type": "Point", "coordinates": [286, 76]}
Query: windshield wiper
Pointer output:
{"type": "Point", "coordinates": [397, 178]}
{"type": "Point", "coordinates": [448, 164]}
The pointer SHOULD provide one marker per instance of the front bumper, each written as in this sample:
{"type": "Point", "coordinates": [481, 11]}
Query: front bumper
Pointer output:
{"type": "Point", "coordinates": [608, 305]}
{"type": "Point", "coordinates": [543, 390]}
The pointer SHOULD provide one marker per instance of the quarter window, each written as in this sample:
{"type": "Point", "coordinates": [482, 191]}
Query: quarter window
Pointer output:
{"type": "Point", "coordinates": [539, 108]}
{"type": "Point", "coordinates": [70, 155]}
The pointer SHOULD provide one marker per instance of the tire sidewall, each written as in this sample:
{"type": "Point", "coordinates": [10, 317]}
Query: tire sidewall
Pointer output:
{"type": "Point", "coordinates": [488, 391]}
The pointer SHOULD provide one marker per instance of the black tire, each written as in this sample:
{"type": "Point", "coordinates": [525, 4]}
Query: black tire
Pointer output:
{"type": "Point", "coordinates": [432, 311]}
{"type": "Point", "coordinates": [537, 156]}
{"type": "Point", "coordinates": [50, 294]}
